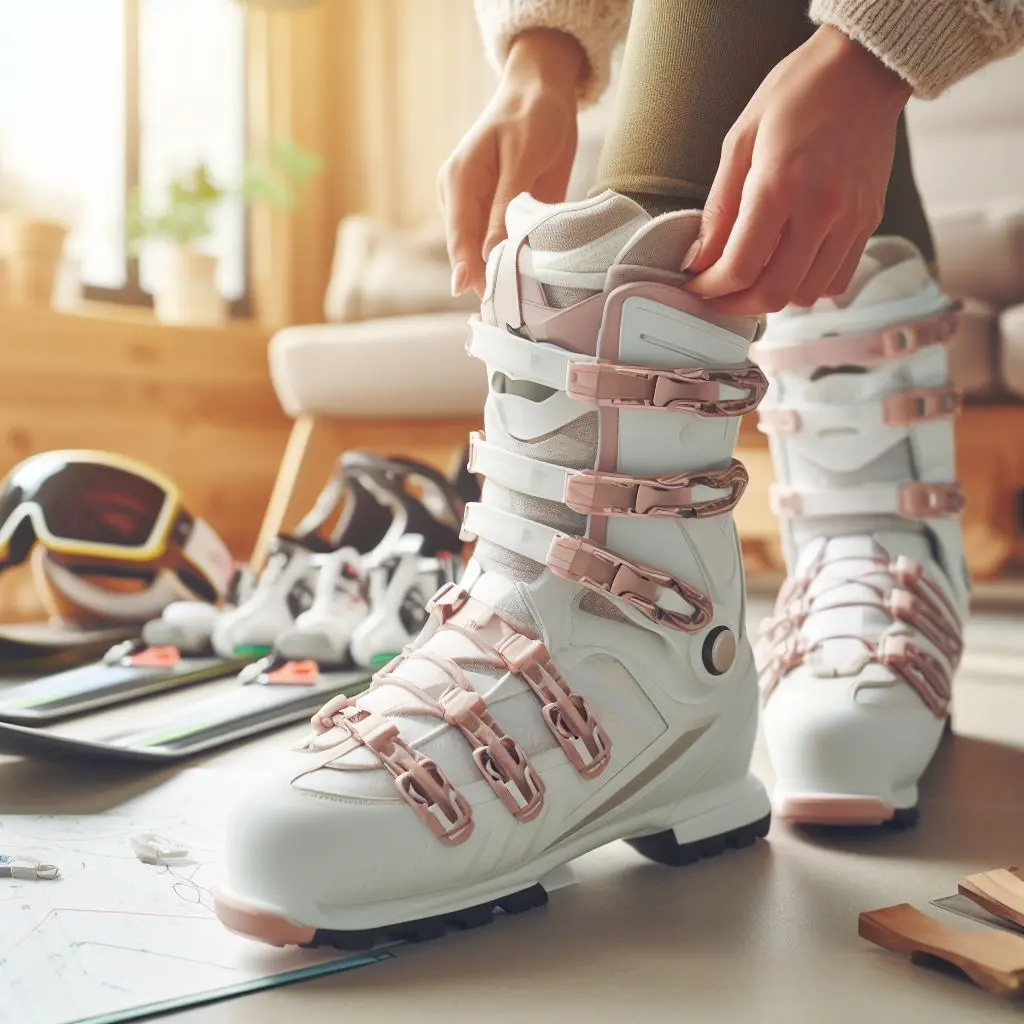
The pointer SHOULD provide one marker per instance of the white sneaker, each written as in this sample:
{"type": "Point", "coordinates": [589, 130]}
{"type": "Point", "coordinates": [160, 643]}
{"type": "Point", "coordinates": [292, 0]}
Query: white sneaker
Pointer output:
{"type": "Point", "coordinates": [323, 633]}
{"type": "Point", "coordinates": [858, 658]}
{"type": "Point", "coordinates": [398, 589]}
{"type": "Point", "coordinates": [590, 679]}
{"type": "Point", "coordinates": [285, 590]}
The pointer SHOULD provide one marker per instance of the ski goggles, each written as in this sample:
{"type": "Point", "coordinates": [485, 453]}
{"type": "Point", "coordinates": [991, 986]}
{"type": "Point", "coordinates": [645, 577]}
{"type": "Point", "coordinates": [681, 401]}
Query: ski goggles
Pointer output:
{"type": "Point", "coordinates": [90, 505]}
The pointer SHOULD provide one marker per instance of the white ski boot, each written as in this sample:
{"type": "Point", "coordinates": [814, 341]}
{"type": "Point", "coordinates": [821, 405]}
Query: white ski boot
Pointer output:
{"type": "Point", "coordinates": [858, 658]}
{"type": "Point", "coordinates": [590, 678]}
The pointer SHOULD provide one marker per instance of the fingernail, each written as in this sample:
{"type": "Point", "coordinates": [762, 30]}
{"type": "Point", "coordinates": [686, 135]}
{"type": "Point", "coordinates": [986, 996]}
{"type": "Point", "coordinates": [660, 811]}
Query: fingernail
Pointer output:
{"type": "Point", "coordinates": [691, 254]}
{"type": "Point", "coordinates": [459, 275]}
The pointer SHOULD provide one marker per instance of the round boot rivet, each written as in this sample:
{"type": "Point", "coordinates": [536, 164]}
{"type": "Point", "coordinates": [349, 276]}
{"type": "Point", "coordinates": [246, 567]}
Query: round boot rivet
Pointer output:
{"type": "Point", "coordinates": [719, 650]}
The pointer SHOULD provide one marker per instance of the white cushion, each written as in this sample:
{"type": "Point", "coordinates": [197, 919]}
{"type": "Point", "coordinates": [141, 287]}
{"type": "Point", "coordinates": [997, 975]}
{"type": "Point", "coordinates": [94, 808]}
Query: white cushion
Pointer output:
{"type": "Point", "coordinates": [400, 368]}
{"type": "Point", "coordinates": [981, 250]}
{"type": "Point", "coordinates": [1011, 324]}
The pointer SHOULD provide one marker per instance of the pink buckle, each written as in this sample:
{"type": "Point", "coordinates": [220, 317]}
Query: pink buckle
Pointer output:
{"type": "Point", "coordinates": [419, 781]}
{"type": "Point", "coordinates": [570, 719]}
{"type": "Point", "coordinates": [475, 437]}
{"type": "Point", "coordinates": [784, 501]}
{"type": "Point", "coordinates": [613, 494]}
{"type": "Point", "coordinates": [918, 669]}
{"type": "Point", "coordinates": [447, 601]}
{"type": "Point", "coordinates": [779, 421]}
{"type": "Point", "coordinates": [920, 614]}
{"type": "Point", "coordinates": [928, 501]}
{"type": "Point", "coordinates": [920, 406]}
{"type": "Point", "coordinates": [583, 562]}
{"type": "Point", "coordinates": [565, 713]}
{"type": "Point", "coordinates": [694, 391]}
{"type": "Point", "coordinates": [498, 757]}
{"type": "Point", "coordinates": [436, 802]}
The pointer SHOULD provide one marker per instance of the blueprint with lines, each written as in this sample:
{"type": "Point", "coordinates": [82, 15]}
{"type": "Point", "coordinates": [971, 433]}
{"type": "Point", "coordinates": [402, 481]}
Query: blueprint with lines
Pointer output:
{"type": "Point", "coordinates": [114, 938]}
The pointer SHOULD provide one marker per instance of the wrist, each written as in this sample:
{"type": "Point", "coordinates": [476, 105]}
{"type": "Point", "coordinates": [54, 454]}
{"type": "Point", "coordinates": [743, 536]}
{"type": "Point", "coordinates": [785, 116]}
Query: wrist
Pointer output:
{"type": "Point", "coordinates": [546, 59]}
{"type": "Point", "coordinates": [884, 86]}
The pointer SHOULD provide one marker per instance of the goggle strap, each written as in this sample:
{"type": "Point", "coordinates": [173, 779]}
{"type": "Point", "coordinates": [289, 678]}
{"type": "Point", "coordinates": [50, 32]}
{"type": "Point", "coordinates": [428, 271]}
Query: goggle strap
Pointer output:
{"type": "Point", "coordinates": [210, 555]}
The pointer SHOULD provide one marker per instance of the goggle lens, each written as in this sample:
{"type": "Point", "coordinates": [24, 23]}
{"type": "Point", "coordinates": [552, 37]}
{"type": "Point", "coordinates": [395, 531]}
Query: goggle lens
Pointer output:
{"type": "Point", "coordinates": [100, 505]}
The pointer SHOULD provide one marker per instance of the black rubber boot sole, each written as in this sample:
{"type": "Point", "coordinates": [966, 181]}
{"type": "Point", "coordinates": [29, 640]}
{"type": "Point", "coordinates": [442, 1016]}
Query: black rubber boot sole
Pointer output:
{"type": "Point", "coordinates": [426, 928]}
{"type": "Point", "coordinates": [661, 847]}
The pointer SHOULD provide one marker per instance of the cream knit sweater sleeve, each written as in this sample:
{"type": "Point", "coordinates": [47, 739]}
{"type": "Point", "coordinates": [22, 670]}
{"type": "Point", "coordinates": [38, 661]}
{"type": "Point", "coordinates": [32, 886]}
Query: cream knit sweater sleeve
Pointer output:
{"type": "Point", "coordinates": [596, 24]}
{"type": "Point", "coordinates": [930, 44]}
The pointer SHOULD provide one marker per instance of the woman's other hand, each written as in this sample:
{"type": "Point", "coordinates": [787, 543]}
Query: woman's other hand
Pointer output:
{"type": "Point", "coordinates": [802, 182]}
{"type": "Point", "coordinates": [524, 141]}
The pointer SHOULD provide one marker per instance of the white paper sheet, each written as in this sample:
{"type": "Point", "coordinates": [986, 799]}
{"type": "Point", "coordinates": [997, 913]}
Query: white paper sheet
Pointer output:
{"type": "Point", "coordinates": [115, 938]}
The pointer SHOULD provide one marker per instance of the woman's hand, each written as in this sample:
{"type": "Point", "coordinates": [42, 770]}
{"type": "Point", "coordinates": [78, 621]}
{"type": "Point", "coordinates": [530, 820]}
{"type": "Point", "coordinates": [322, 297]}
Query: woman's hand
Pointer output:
{"type": "Point", "coordinates": [524, 141]}
{"type": "Point", "coordinates": [802, 182]}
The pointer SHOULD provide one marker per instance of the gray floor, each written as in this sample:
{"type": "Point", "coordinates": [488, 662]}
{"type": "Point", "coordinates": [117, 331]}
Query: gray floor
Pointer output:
{"type": "Point", "coordinates": [763, 935]}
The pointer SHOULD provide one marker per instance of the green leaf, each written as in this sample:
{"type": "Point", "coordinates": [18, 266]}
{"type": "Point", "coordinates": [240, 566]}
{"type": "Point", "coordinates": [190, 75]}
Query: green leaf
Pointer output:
{"type": "Point", "coordinates": [295, 162]}
{"type": "Point", "coordinates": [264, 185]}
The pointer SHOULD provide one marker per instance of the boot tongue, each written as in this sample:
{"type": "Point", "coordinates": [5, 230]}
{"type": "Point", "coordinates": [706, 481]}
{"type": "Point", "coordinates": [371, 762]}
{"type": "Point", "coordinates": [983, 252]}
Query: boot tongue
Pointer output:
{"type": "Point", "coordinates": [664, 242]}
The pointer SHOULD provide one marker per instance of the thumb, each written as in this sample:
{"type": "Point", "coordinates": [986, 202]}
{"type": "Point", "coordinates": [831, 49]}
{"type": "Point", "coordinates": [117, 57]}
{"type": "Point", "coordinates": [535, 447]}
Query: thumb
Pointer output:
{"type": "Point", "coordinates": [723, 204]}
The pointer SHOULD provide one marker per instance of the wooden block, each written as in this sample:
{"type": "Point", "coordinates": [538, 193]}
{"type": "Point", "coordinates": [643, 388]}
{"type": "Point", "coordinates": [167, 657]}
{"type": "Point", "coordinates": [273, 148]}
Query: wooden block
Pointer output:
{"type": "Point", "coordinates": [993, 960]}
{"type": "Point", "coordinates": [1000, 892]}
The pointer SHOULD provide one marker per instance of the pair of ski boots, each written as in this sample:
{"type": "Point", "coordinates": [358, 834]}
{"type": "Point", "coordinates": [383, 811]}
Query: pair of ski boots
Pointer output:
{"type": "Point", "coordinates": [590, 678]}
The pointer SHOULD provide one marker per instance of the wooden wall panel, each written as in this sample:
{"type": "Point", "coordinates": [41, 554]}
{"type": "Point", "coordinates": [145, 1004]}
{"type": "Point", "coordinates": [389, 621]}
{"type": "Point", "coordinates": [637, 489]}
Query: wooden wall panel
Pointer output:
{"type": "Point", "coordinates": [197, 403]}
{"type": "Point", "coordinates": [408, 77]}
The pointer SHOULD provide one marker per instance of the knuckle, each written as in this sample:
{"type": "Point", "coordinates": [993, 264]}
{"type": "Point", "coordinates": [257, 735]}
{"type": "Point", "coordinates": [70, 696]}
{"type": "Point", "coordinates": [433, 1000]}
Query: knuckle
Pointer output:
{"type": "Point", "coordinates": [874, 213]}
{"type": "Point", "coordinates": [737, 280]}
{"type": "Point", "coordinates": [808, 295]}
{"type": "Point", "coordinates": [735, 139]}
{"type": "Point", "coordinates": [775, 298]}
{"type": "Point", "coordinates": [840, 283]}
{"type": "Point", "coordinates": [828, 198]}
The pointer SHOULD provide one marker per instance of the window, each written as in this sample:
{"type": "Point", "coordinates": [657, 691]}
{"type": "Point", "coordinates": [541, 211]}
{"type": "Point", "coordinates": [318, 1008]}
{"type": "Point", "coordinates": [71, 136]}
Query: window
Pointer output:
{"type": "Point", "coordinates": [102, 97]}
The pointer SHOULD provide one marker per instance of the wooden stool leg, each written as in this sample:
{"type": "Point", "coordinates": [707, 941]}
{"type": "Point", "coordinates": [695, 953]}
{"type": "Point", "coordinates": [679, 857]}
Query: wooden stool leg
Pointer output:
{"type": "Point", "coordinates": [317, 441]}
{"type": "Point", "coordinates": [282, 497]}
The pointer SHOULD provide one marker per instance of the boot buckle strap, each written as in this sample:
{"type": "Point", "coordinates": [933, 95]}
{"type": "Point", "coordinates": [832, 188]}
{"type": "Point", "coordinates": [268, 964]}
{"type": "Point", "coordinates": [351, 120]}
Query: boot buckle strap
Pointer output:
{"type": "Point", "coordinates": [927, 501]}
{"type": "Point", "coordinates": [922, 405]}
{"type": "Point", "coordinates": [696, 391]}
{"type": "Point", "coordinates": [418, 779]}
{"type": "Point", "coordinates": [583, 562]}
{"type": "Point", "coordinates": [447, 602]}
{"type": "Point", "coordinates": [894, 342]}
{"type": "Point", "coordinates": [499, 759]}
{"type": "Point", "coordinates": [901, 411]}
{"type": "Point", "coordinates": [925, 673]}
{"type": "Point", "coordinates": [566, 714]}
{"type": "Point", "coordinates": [612, 494]}
{"type": "Point", "coordinates": [913, 500]}
{"type": "Point", "coordinates": [569, 718]}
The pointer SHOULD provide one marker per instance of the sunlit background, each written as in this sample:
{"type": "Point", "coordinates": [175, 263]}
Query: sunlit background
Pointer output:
{"type": "Point", "coordinates": [100, 96]}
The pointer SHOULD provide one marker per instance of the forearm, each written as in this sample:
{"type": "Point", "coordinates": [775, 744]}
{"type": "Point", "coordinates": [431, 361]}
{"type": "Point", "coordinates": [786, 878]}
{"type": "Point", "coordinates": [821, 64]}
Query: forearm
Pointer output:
{"type": "Point", "coordinates": [930, 43]}
{"type": "Point", "coordinates": [597, 25]}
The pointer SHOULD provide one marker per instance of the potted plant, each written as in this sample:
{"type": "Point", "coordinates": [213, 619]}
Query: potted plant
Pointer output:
{"type": "Point", "coordinates": [186, 290]}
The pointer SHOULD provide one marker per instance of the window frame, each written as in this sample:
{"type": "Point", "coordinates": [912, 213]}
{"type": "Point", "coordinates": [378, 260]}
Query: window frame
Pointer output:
{"type": "Point", "coordinates": [131, 293]}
